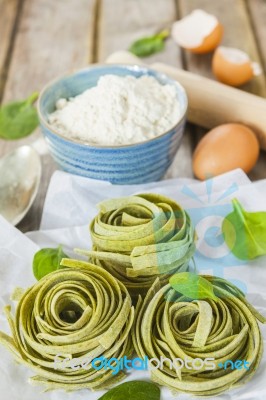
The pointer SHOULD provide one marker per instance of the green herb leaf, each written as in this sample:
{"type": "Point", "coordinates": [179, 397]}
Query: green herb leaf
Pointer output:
{"type": "Point", "coordinates": [134, 390]}
{"type": "Point", "coordinates": [192, 286]}
{"type": "Point", "coordinates": [245, 232]}
{"type": "Point", "coordinates": [18, 119]}
{"type": "Point", "coordinates": [149, 45]}
{"type": "Point", "coordinates": [46, 261]}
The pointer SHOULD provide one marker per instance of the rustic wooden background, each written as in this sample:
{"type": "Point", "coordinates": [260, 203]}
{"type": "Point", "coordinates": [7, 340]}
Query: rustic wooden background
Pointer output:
{"type": "Point", "coordinates": [41, 39]}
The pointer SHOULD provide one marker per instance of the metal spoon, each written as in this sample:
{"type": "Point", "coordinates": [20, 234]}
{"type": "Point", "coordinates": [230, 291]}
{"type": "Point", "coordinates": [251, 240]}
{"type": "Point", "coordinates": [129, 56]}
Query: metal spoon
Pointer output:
{"type": "Point", "coordinates": [20, 175]}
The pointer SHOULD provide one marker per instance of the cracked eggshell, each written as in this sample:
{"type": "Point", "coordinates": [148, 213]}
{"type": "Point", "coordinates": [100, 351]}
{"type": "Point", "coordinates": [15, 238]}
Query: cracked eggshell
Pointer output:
{"type": "Point", "coordinates": [198, 32]}
{"type": "Point", "coordinates": [233, 66]}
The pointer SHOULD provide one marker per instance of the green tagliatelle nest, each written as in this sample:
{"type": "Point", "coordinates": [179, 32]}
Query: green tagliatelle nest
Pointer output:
{"type": "Point", "coordinates": [168, 325]}
{"type": "Point", "coordinates": [139, 238]}
{"type": "Point", "coordinates": [79, 312]}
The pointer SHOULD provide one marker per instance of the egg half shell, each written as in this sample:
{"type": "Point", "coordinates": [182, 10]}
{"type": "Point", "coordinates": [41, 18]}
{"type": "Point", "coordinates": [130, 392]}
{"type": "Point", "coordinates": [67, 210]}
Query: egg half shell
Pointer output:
{"type": "Point", "coordinates": [233, 66]}
{"type": "Point", "coordinates": [198, 32]}
{"type": "Point", "coordinates": [225, 148]}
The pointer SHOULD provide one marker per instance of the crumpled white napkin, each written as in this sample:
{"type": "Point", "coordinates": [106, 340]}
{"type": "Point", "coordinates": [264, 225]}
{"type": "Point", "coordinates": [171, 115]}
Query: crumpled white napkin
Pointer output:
{"type": "Point", "coordinates": [69, 207]}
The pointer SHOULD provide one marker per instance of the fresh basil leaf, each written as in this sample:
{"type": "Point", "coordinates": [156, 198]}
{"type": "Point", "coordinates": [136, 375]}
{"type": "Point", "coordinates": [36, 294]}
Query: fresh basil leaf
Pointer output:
{"type": "Point", "coordinates": [133, 390]}
{"type": "Point", "coordinates": [245, 232]}
{"type": "Point", "coordinates": [18, 119]}
{"type": "Point", "coordinates": [46, 261]}
{"type": "Point", "coordinates": [193, 286]}
{"type": "Point", "coordinates": [149, 45]}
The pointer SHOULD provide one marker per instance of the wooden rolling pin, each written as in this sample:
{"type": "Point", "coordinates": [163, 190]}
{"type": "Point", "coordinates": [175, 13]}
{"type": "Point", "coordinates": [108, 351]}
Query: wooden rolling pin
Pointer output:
{"type": "Point", "coordinates": [211, 103]}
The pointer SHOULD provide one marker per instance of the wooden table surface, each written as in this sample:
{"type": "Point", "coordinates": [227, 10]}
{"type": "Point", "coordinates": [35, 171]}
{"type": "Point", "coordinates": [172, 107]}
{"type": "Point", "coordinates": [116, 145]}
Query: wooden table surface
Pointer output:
{"type": "Point", "coordinates": [41, 39]}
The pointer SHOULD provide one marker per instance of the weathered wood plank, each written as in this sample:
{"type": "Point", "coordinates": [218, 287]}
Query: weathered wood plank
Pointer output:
{"type": "Point", "coordinates": [125, 21]}
{"type": "Point", "coordinates": [53, 37]}
{"type": "Point", "coordinates": [257, 12]}
{"type": "Point", "coordinates": [8, 15]}
{"type": "Point", "coordinates": [238, 32]}
{"type": "Point", "coordinates": [129, 20]}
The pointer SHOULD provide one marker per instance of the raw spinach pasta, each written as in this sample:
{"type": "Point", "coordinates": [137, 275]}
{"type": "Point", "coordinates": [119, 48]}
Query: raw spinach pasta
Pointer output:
{"type": "Point", "coordinates": [169, 325]}
{"type": "Point", "coordinates": [139, 238]}
{"type": "Point", "coordinates": [77, 314]}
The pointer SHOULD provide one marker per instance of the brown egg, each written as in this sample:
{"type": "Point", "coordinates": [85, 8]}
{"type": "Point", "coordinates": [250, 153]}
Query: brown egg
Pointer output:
{"type": "Point", "coordinates": [233, 66]}
{"type": "Point", "coordinates": [225, 148]}
{"type": "Point", "coordinates": [198, 32]}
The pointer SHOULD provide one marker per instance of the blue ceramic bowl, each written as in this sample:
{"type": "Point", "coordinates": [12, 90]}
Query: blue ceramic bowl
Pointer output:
{"type": "Point", "coordinates": [124, 164]}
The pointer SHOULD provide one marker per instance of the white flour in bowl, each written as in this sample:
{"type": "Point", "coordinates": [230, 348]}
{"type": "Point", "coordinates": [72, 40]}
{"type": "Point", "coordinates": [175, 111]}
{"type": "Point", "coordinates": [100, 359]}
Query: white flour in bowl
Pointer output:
{"type": "Point", "coordinates": [119, 110]}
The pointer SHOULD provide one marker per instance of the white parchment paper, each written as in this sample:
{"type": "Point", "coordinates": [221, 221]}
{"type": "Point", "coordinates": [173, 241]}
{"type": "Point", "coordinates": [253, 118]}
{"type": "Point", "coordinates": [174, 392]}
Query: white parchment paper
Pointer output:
{"type": "Point", "coordinates": [71, 204]}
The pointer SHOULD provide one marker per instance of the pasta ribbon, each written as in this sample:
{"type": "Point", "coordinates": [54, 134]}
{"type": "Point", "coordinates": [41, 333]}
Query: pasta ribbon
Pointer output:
{"type": "Point", "coordinates": [77, 314]}
{"type": "Point", "coordinates": [140, 238]}
{"type": "Point", "coordinates": [171, 326]}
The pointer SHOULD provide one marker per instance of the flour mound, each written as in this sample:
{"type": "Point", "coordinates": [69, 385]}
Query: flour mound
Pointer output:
{"type": "Point", "coordinates": [118, 111]}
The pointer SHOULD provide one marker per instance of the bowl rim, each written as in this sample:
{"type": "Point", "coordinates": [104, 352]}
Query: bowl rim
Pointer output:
{"type": "Point", "coordinates": [129, 67]}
